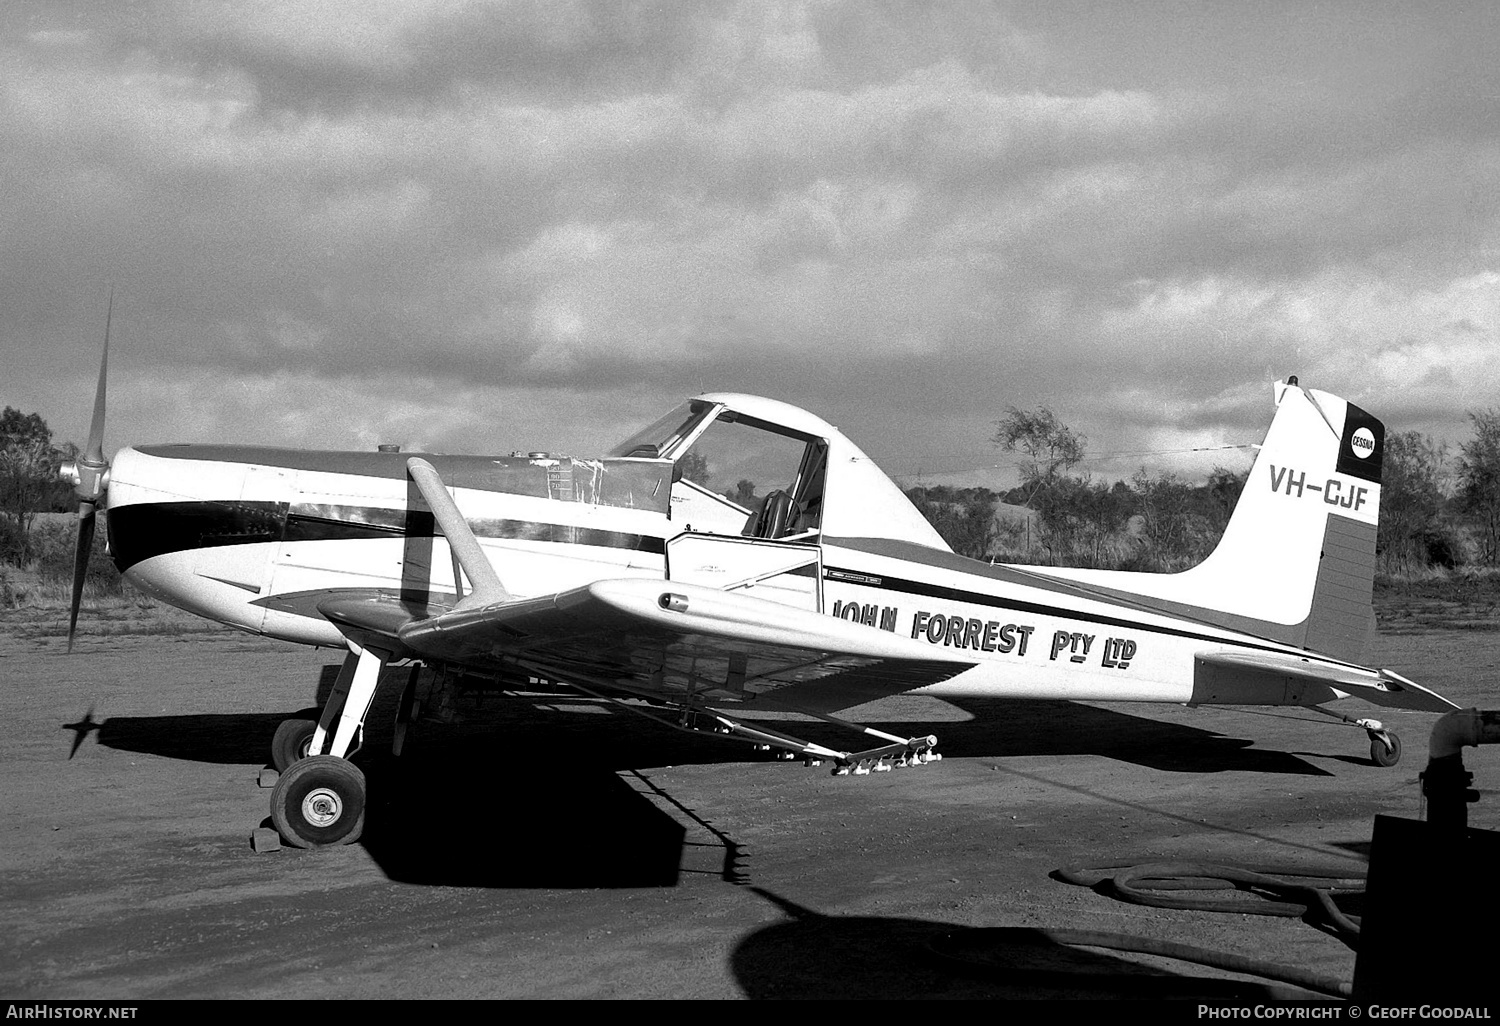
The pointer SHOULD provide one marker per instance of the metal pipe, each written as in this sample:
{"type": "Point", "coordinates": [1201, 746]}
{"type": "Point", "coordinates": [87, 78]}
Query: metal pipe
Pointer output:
{"type": "Point", "coordinates": [1454, 730]}
{"type": "Point", "coordinates": [1445, 782]}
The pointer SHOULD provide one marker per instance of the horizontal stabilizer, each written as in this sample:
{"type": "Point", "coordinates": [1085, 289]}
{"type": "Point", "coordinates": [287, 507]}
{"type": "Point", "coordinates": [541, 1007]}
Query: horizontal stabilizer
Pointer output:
{"type": "Point", "coordinates": [1234, 678]}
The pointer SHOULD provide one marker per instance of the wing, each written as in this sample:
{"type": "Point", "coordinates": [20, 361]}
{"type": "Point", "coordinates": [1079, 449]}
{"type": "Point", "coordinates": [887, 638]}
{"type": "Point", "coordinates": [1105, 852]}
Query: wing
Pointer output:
{"type": "Point", "coordinates": [658, 638]}
{"type": "Point", "coordinates": [645, 636]}
{"type": "Point", "coordinates": [676, 640]}
{"type": "Point", "coordinates": [1231, 669]}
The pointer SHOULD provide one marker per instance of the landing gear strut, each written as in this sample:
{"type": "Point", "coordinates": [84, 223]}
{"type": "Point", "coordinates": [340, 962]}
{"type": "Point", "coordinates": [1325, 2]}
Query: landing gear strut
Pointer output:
{"type": "Point", "coordinates": [319, 797]}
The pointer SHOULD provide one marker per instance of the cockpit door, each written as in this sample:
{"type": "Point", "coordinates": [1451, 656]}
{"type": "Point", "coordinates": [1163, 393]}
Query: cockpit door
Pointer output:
{"type": "Point", "coordinates": [777, 571]}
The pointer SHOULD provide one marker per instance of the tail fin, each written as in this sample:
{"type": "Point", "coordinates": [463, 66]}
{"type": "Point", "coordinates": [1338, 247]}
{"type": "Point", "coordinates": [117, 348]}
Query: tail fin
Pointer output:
{"type": "Point", "coordinates": [1297, 561]}
{"type": "Point", "coordinates": [1299, 551]}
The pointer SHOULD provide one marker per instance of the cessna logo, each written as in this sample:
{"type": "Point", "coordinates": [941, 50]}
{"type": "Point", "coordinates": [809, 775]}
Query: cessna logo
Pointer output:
{"type": "Point", "coordinates": [1363, 443]}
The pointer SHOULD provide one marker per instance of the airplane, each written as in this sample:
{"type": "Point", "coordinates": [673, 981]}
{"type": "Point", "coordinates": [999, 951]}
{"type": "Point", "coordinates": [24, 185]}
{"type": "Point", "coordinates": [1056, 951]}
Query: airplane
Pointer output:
{"type": "Point", "coordinates": [737, 557]}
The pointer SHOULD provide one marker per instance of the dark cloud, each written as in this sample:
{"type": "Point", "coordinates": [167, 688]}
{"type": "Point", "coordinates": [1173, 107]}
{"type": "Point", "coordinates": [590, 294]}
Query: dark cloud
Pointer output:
{"type": "Point", "coordinates": [906, 217]}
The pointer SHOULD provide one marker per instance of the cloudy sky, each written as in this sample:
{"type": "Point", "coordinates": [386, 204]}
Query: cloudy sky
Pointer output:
{"type": "Point", "coordinates": [488, 226]}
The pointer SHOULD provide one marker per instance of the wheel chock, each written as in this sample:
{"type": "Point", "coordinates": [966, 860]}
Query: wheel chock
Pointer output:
{"type": "Point", "coordinates": [268, 777]}
{"type": "Point", "coordinates": [264, 839]}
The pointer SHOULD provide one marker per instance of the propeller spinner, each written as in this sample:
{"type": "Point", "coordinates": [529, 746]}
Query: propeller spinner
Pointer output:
{"type": "Point", "coordinates": [89, 475]}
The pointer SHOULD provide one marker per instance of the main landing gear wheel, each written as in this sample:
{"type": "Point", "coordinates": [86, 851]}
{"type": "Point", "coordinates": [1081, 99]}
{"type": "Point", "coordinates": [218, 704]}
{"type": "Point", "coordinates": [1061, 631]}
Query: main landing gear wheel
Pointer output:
{"type": "Point", "coordinates": [319, 801]}
{"type": "Point", "coordinates": [291, 743]}
{"type": "Point", "coordinates": [1382, 754]}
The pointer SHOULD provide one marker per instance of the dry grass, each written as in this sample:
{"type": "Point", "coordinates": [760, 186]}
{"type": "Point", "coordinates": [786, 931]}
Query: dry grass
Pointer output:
{"type": "Point", "coordinates": [1466, 599]}
{"type": "Point", "coordinates": [107, 618]}
{"type": "Point", "coordinates": [33, 606]}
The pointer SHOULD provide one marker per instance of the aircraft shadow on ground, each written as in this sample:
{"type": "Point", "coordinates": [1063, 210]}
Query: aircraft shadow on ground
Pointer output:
{"type": "Point", "coordinates": [539, 797]}
{"type": "Point", "coordinates": [560, 731]}
{"type": "Point", "coordinates": [536, 800]}
{"type": "Point", "coordinates": [1003, 727]}
{"type": "Point", "coordinates": [895, 958]}
{"type": "Point", "coordinates": [471, 818]}
{"type": "Point", "coordinates": [218, 738]}
{"type": "Point", "coordinates": [999, 728]}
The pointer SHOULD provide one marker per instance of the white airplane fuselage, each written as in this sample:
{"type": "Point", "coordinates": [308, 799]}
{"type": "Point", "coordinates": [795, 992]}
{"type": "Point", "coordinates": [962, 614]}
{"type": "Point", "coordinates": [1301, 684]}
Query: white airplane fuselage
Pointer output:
{"type": "Point", "coordinates": [255, 538]}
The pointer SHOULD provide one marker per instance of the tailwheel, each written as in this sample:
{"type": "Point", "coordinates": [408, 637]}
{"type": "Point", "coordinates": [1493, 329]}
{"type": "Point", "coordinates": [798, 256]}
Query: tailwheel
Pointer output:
{"type": "Point", "coordinates": [1385, 748]}
{"type": "Point", "coordinates": [319, 801]}
{"type": "Point", "coordinates": [292, 742]}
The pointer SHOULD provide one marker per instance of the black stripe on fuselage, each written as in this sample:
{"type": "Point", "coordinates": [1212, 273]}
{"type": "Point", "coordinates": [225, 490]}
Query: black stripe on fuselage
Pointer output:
{"type": "Point", "coordinates": [140, 531]}
{"type": "Point", "coordinates": [885, 582]}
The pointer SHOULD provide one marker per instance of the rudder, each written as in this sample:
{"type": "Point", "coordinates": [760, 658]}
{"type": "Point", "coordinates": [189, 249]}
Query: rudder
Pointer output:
{"type": "Point", "coordinates": [1299, 550]}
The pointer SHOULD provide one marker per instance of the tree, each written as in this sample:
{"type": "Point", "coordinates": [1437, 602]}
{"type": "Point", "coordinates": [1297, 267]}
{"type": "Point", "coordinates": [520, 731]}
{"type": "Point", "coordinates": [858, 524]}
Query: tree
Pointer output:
{"type": "Point", "coordinates": [1411, 498]}
{"type": "Point", "coordinates": [1222, 494]}
{"type": "Point", "coordinates": [1165, 505]}
{"type": "Point", "coordinates": [694, 467]}
{"type": "Point", "coordinates": [964, 518]}
{"type": "Point", "coordinates": [1078, 517]}
{"type": "Point", "coordinates": [1048, 448]}
{"type": "Point", "coordinates": [1479, 481]}
{"type": "Point", "coordinates": [28, 473]}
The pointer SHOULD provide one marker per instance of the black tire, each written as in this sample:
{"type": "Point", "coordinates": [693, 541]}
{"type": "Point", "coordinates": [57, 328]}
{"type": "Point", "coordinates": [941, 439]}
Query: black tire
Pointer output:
{"type": "Point", "coordinates": [290, 743]}
{"type": "Point", "coordinates": [319, 801]}
{"type": "Point", "coordinates": [1380, 755]}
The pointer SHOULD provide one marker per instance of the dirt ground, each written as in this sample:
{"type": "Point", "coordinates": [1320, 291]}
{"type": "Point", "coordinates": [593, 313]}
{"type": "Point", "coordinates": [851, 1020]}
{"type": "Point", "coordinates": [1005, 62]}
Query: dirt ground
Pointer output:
{"type": "Point", "coordinates": [575, 852]}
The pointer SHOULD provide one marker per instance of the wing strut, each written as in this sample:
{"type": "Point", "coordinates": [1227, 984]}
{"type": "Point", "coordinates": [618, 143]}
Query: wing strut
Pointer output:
{"type": "Point", "coordinates": [487, 587]}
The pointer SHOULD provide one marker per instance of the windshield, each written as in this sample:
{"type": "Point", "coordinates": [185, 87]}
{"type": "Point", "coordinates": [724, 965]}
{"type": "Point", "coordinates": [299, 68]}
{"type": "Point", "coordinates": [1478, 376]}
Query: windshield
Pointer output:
{"type": "Point", "coordinates": [655, 440]}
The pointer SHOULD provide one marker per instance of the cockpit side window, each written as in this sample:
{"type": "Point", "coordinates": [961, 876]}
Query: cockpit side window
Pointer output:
{"type": "Point", "coordinates": [766, 480]}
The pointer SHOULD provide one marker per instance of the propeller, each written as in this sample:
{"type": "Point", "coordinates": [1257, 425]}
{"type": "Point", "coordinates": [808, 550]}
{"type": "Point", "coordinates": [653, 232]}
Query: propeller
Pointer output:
{"type": "Point", "coordinates": [89, 475]}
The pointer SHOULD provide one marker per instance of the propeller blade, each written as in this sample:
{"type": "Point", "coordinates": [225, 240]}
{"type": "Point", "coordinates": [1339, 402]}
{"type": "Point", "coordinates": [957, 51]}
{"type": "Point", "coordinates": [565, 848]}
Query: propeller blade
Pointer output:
{"type": "Point", "coordinates": [90, 476]}
{"type": "Point", "coordinates": [95, 451]}
{"type": "Point", "coordinates": [81, 553]}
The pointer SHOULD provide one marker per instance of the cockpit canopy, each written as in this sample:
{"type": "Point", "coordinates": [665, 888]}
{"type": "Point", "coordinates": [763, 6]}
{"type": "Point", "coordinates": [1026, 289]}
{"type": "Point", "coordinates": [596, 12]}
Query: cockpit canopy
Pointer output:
{"type": "Point", "coordinates": [734, 472]}
{"type": "Point", "coordinates": [745, 465]}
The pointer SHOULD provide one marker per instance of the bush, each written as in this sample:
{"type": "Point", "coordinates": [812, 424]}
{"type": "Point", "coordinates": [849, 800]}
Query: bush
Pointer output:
{"type": "Point", "coordinates": [1442, 549]}
{"type": "Point", "coordinates": [12, 543]}
{"type": "Point", "coordinates": [52, 545]}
